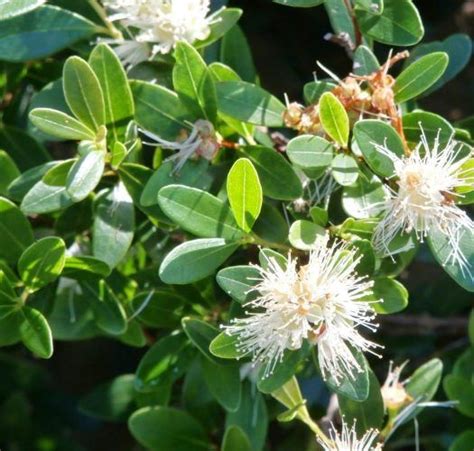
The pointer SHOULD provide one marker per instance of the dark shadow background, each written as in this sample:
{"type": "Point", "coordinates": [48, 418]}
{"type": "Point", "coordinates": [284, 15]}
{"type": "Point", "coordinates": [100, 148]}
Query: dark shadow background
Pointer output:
{"type": "Point", "coordinates": [286, 43]}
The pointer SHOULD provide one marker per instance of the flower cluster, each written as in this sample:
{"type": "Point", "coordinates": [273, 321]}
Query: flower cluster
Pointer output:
{"type": "Point", "coordinates": [322, 302]}
{"type": "Point", "coordinates": [425, 200]}
{"type": "Point", "coordinates": [163, 22]}
{"type": "Point", "coordinates": [347, 440]}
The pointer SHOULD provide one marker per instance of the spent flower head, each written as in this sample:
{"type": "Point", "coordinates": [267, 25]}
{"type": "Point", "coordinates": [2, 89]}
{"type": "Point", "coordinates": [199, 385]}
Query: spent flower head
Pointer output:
{"type": "Point", "coordinates": [347, 440]}
{"type": "Point", "coordinates": [322, 302]}
{"type": "Point", "coordinates": [163, 23]}
{"type": "Point", "coordinates": [425, 199]}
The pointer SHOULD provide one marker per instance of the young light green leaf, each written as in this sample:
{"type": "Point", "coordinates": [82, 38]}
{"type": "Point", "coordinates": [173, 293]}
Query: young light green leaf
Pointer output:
{"type": "Point", "coordinates": [118, 99]}
{"type": "Point", "coordinates": [85, 175]}
{"type": "Point", "coordinates": [225, 347]}
{"type": "Point", "coordinates": [245, 193]}
{"type": "Point", "coordinates": [419, 76]}
{"type": "Point", "coordinates": [194, 260]}
{"type": "Point", "coordinates": [36, 333]}
{"type": "Point", "coordinates": [42, 262]}
{"type": "Point", "coordinates": [249, 103]}
{"type": "Point", "coordinates": [193, 83]}
{"type": "Point", "coordinates": [198, 212]}
{"type": "Point", "coordinates": [59, 124]}
{"type": "Point", "coordinates": [16, 233]}
{"type": "Point", "coordinates": [334, 118]}
{"type": "Point", "coordinates": [83, 93]}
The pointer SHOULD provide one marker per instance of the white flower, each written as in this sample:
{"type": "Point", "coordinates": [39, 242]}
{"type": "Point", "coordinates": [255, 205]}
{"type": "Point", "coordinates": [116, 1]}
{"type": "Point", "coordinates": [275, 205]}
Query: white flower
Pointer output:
{"type": "Point", "coordinates": [424, 202]}
{"type": "Point", "coordinates": [347, 440]}
{"type": "Point", "coordinates": [321, 302]}
{"type": "Point", "coordinates": [164, 22]}
{"type": "Point", "coordinates": [202, 141]}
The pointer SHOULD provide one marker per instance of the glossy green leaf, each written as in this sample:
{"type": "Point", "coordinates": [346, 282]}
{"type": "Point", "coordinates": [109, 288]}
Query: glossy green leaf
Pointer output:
{"type": "Point", "coordinates": [273, 169]}
{"type": "Point", "coordinates": [36, 333]}
{"type": "Point", "coordinates": [432, 125]}
{"type": "Point", "coordinates": [8, 172]}
{"type": "Point", "coordinates": [310, 152]}
{"type": "Point", "coordinates": [420, 75]}
{"type": "Point", "coordinates": [83, 266]}
{"type": "Point", "coordinates": [193, 83]}
{"type": "Point", "coordinates": [223, 381]}
{"type": "Point", "coordinates": [345, 169]}
{"type": "Point", "coordinates": [13, 8]}
{"type": "Point", "coordinates": [201, 335]}
{"type": "Point", "coordinates": [83, 92]}
{"type": "Point", "coordinates": [167, 429]}
{"type": "Point", "coordinates": [245, 193]}
{"type": "Point", "coordinates": [198, 212]}
{"type": "Point", "coordinates": [112, 401]}
{"type": "Point", "coordinates": [41, 32]}
{"type": "Point", "coordinates": [225, 19]}
{"type": "Point", "coordinates": [271, 225]}
{"type": "Point", "coordinates": [159, 110]}
{"type": "Point", "coordinates": [159, 308]}
{"type": "Point", "coordinates": [334, 118]}
{"type": "Point", "coordinates": [249, 103]}
{"type": "Point", "coordinates": [300, 3]}
{"type": "Point", "coordinates": [235, 439]}
{"type": "Point", "coordinates": [226, 347]}
{"type": "Point", "coordinates": [393, 294]}
{"type": "Point", "coordinates": [45, 198]}
{"type": "Point", "coordinates": [42, 262]}
{"type": "Point", "coordinates": [399, 24]}
{"type": "Point", "coordinates": [340, 18]}
{"type": "Point", "coordinates": [460, 389]}
{"type": "Point", "coordinates": [371, 133]}
{"type": "Point", "coordinates": [16, 233]}
{"type": "Point", "coordinates": [194, 260]}
{"type": "Point", "coordinates": [365, 62]}
{"type": "Point", "coordinates": [313, 90]}
{"type": "Point", "coordinates": [59, 124]}
{"type": "Point", "coordinates": [463, 442]}
{"type": "Point", "coordinates": [118, 99]}
{"type": "Point", "coordinates": [85, 175]}
{"type": "Point", "coordinates": [238, 282]}
{"type": "Point", "coordinates": [306, 235]}
{"type": "Point", "coordinates": [361, 200]}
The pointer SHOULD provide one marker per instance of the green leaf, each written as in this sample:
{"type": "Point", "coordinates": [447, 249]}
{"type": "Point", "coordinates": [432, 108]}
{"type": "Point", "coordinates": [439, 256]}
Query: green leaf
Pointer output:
{"type": "Point", "coordinates": [345, 169]}
{"type": "Point", "coordinates": [59, 124]}
{"type": "Point", "coordinates": [245, 193]}
{"type": "Point", "coordinates": [195, 260]}
{"type": "Point", "coordinates": [159, 110]}
{"type": "Point", "coordinates": [419, 76]}
{"type": "Point", "coordinates": [198, 212]}
{"type": "Point", "coordinates": [370, 133]}
{"type": "Point", "coordinates": [36, 333]}
{"type": "Point", "coordinates": [463, 442]}
{"type": "Point", "coordinates": [83, 267]}
{"type": "Point", "coordinates": [249, 103]}
{"type": "Point", "coordinates": [441, 249]}
{"type": "Point", "coordinates": [167, 429]}
{"type": "Point", "coordinates": [45, 198]}
{"type": "Point", "coordinates": [272, 169]}
{"type": "Point", "coordinates": [251, 416]}
{"type": "Point", "coordinates": [8, 172]}
{"type": "Point", "coordinates": [393, 294]}
{"type": "Point", "coordinates": [13, 8]}
{"type": "Point", "coordinates": [238, 282]}
{"type": "Point", "coordinates": [16, 233]}
{"type": "Point", "coordinates": [460, 389]}
{"type": "Point", "coordinates": [300, 3]}
{"type": "Point", "coordinates": [201, 334]}
{"type": "Point", "coordinates": [334, 118]}
{"type": "Point", "coordinates": [306, 235]}
{"type": "Point", "coordinates": [223, 381]}
{"type": "Point", "coordinates": [224, 20]}
{"type": "Point", "coordinates": [235, 439]}
{"type": "Point", "coordinates": [159, 362]}
{"type": "Point", "coordinates": [360, 200]}
{"type": "Point", "coordinates": [355, 388]}
{"type": "Point", "coordinates": [225, 347]}
{"type": "Point", "coordinates": [85, 175]}
{"type": "Point", "coordinates": [399, 24]}
{"type": "Point", "coordinates": [113, 225]}
{"type": "Point", "coordinates": [193, 173]}
{"type": "Point", "coordinates": [310, 152]}
{"type": "Point", "coordinates": [83, 93]}
{"type": "Point", "coordinates": [471, 327]}
{"type": "Point", "coordinates": [112, 401]}
{"type": "Point", "coordinates": [432, 125]}
{"type": "Point", "coordinates": [41, 32]}
{"type": "Point", "coordinates": [340, 18]}
{"type": "Point", "coordinates": [271, 225]}
{"type": "Point", "coordinates": [119, 107]}
{"type": "Point", "coordinates": [424, 382]}
{"type": "Point", "coordinates": [366, 414]}
{"type": "Point", "coordinates": [319, 216]}
{"type": "Point", "coordinates": [159, 308]}
{"type": "Point", "coordinates": [365, 62]}
{"type": "Point", "coordinates": [42, 262]}
{"type": "Point", "coordinates": [19, 187]}
{"type": "Point", "coordinates": [313, 90]}
{"type": "Point", "coordinates": [193, 83]}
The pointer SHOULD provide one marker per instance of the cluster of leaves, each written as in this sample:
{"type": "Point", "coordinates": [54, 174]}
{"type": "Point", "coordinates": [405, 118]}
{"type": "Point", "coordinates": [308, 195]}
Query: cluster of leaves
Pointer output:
{"type": "Point", "coordinates": [101, 237]}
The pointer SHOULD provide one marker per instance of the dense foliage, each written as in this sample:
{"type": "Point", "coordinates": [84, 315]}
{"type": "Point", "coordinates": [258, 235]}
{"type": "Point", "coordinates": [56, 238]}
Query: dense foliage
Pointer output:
{"type": "Point", "coordinates": [154, 193]}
